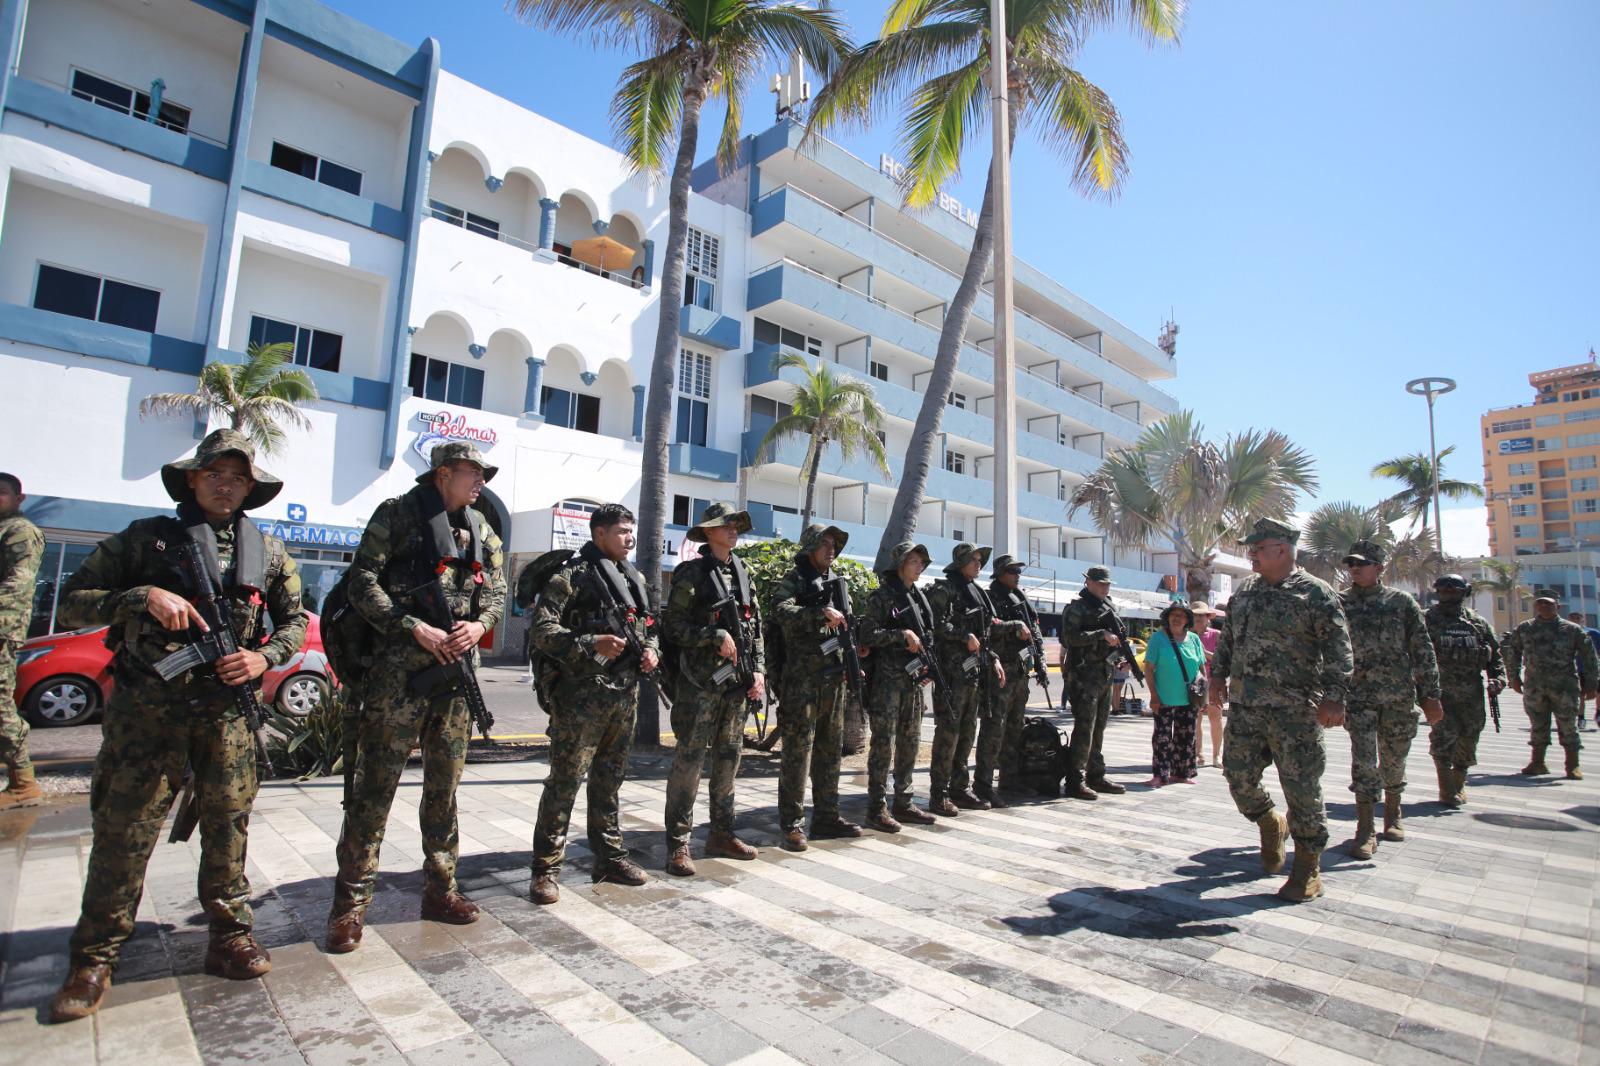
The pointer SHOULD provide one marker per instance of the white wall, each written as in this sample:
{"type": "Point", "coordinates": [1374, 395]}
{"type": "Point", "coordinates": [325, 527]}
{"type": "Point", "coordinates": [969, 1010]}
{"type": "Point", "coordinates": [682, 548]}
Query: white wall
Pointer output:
{"type": "Point", "coordinates": [298, 291]}
{"type": "Point", "coordinates": [458, 179]}
{"type": "Point", "coordinates": [195, 51]}
{"type": "Point", "coordinates": [79, 234]}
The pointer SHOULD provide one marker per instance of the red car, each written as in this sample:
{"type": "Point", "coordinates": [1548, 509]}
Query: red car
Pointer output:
{"type": "Point", "coordinates": [65, 678]}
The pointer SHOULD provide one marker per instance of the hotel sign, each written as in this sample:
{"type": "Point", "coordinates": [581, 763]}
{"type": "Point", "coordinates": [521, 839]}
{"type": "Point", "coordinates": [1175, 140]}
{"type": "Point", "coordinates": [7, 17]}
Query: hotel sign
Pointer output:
{"type": "Point", "coordinates": [1516, 445]}
{"type": "Point", "coordinates": [893, 168]}
{"type": "Point", "coordinates": [441, 426]}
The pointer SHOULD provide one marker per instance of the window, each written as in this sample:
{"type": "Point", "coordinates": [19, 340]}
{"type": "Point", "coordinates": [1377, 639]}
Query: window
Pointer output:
{"type": "Point", "coordinates": [1551, 514]}
{"type": "Point", "coordinates": [570, 410]}
{"type": "Point", "coordinates": [700, 262]}
{"type": "Point", "coordinates": [1510, 427]}
{"type": "Point", "coordinates": [1583, 416]}
{"type": "Point", "coordinates": [958, 534]}
{"type": "Point", "coordinates": [1523, 510]}
{"type": "Point", "coordinates": [1555, 493]}
{"type": "Point", "coordinates": [437, 379]}
{"type": "Point", "coordinates": [117, 97]}
{"type": "Point", "coordinates": [956, 463]}
{"type": "Point", "coordinates": [315, 348]}
{"type": "Point", "coordinates": [1522, 488]}
{"type": "Point", "coordinates": [772, 333]}
{"type": "Point", "coordinates": [1583, 440]}
{"type": "Point", "coordinates": [680, 510]}
{"type": "Point", "coordinates": [1586, 484]}
{"type": "Point", "coordinates": [325, 171]}
{"type": "Point", "coordinates": [1547, 444]}
{"type": "Point", "coordinates": [767, 407]}
{"type": "Point", "coordinates": [1568, 397]}
{"type": "Point", "coordinates": [694, 397]}
{"type": "Point", "coordinates": [1547, 420]}
{"type": "Point", "coordinates": [444, 212]}
{"type": "Point", "coordinates": [1525, 532]}
{"type": "Point", "coordinates": [1587, 529]}
{"type": "Point", "coordinates": [1581, 462]}
{"type": "Point", "coordinates": [957, 400]}
{"type": "Point", "coordinates": [1589, 506]}
{"type": "Point", "coordinates": [1519, 470]}
{"type": "Point", "coordinates": [116, 303]}
{"type": "Point", "coordinates": [878, 370]}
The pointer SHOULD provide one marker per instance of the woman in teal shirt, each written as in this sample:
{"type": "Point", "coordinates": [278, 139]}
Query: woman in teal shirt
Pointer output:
{"type": "Point", "coordinates": [1174, 659]}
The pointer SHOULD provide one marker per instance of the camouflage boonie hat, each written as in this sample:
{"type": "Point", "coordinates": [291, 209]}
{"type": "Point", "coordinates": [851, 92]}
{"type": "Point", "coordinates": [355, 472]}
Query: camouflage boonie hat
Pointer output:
{"type": "Point", "coordinates": [456, 451]}
{"type": "Point", "coordinates": [1451, 581]}
{"type": "Point", "coordinates": [1006, 562]}
{"type": "Point", "coordinates": [1363, 552]}
{"type": "Point", "coordinates": [964, 552]}
{"type": "Point", "coordinates": [816, 531]}
{"type": "Point", "coordinates": [720, 513]}
{"type": "Point", "coordinates": [1096, 573]}
{"type": "Point", "coordinates": [898, 553]}
{"type": "Point", "coordinates": [1271, 529]}
{"type": "Point", "coordinates": [216, 445]}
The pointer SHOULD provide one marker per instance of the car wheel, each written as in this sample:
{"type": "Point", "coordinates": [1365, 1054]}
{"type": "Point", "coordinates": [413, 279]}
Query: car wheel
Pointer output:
{"type": "Point", "coordinates": [301, 694]}
{"type": "Point", "coordinates": [60, 701]}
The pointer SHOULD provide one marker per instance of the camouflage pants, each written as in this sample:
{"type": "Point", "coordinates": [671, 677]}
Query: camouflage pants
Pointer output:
{"type": "Point", "coordinates": [1380, 740]}
{"type": "Point", "coordinates": [13, 727]}
{"type": "Point", "coordinates": [1453, 741]}
{"type": "Point", "coordinates": [894, 711]}
{"type": "Point", "coordinates": [710, 721]}
{"type": "Point", "coordinates": [392, 722]}
{"type": "Point", "coordinates": [811, 725]}
{"type": "Point", "coordinates": [1091, 705]}
{"type": "Point", "coordinates": [591, 732]}
{"type": "Point", "coordinates": [1542, 706]}
{"type": "Point", "coordinates": [146, 743]}
{"type": "Point", "coordinates": [955, 725]}
{"type": "Point", "coordinates": [1259, 736]}
{"type": "Point", "coordinates": [1000, 732]}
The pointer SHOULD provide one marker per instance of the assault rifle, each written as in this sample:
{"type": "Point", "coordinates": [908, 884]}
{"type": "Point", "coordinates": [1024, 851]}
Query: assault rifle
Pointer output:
{"type": "Point", "coordinates": [734, 617]}
{"type": "Point", "coordinates": [983, 660]}
{"type": "Point", "coordinates": [619, 619]}
{"type": "Point", "coordinates": [924, 665]}
{"type": "Point", "coordinates": [1035, 650]}
{"type": "Point", "coordinates": [844, 638]}
{"type": "Point", "coordinates": [219, 641]}
{"type": "Point", "coordinates": [459, 677]}
{"type": "Point", "coordinates": [1122, 649]}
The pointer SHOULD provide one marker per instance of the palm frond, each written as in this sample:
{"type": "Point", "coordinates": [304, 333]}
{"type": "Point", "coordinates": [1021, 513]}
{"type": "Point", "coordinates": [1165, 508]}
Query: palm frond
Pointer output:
{"type": "Point", "coordinates": [1077, 120]}
{"type": "Point", "coordinates": [946, 112]}
{"type": "Point", "coordinates": [174, 405]}
{"type": "Point", "coordinates": [609, 23]}
{"type": "Point", "coordinates": [647, 108]}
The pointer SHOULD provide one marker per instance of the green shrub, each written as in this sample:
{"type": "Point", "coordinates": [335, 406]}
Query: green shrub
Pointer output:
{"type": "Point", "coordinates": [312, 746]}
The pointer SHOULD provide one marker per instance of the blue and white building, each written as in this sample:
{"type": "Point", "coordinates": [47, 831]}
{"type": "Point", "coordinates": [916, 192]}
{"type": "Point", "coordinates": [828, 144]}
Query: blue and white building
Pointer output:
{"type": "Point", "coordinates": [182, 178]}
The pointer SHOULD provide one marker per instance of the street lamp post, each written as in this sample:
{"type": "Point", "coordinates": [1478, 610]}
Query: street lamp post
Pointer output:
{"type": "Point", "coordinates": [1431, 387]}
{"type": "Point", "coordinates": [1005, 425]}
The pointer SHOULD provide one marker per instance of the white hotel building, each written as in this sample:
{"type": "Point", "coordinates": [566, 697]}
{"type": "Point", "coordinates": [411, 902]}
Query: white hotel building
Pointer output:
{"type": "Point", "coordinates": [179, 178]}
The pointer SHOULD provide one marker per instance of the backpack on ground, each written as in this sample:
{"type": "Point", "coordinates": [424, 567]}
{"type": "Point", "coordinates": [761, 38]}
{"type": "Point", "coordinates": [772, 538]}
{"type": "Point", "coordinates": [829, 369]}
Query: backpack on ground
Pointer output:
{"type": "Point", "coordinates": [1042, 761]}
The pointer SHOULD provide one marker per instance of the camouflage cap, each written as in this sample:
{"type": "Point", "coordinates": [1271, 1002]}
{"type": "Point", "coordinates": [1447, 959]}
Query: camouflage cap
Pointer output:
{"type": "Point", "coordinates": [1271, 529]}
{"type": "Point", "coordinates": [816, 531]}
{"type": "Point", "coordinates": [963, 553]}
{"type": "Point", "coordinates": [456, 451]}
{"type": "Point", "coordinates": [720, 513]}
{"type": "Point", "coordinates": [216, 445]}
{"type": "Point", "coordinates": [1451, 581]}
{"type": "Point", "coordinates": [1363, 552]}
{"type": "Point", "coordinates": [1546, 596]}
{"type": "Point", "coordinates": [1096, 573]}
{"type": "Point", "coordinates": [1006, 562]}
{"type": "Point", "coordinates": [898, 553]}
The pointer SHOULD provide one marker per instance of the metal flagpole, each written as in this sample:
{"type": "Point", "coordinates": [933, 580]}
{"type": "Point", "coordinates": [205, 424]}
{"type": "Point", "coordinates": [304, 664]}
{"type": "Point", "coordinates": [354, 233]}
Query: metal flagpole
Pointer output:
{"type": "Point", "coordinates": [1005, 424]}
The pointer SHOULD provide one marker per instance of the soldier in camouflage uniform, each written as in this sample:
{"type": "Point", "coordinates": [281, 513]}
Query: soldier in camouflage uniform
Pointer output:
{"type": "Point", "coordinates": [1465, 645]}
{"type": "Point", "coordinates": [1089, 642]}
{"type": "Point", "coordinates": [154, 730]}
{"type": "Point", "coordinates": [1000, 738]}
{"type": "Point", "coordinates": [21, 549]}
{"type": "Point", "coordinates": [432, 533]}
{"type": "Point", "coordinates": [1552, 649]}
{"type": "Point", "coordinates": [1395, 665]}
{"type": "Point", "coordinates": [962, 613]}
{"type": "Point", "coordinates": [1284, 662]}
{"type": "Point", "coordinates": [592, 681]}
{"type": "Point", "coordinates": [895, 611]}
{"type": "Point", "coordinates": [813, 685]}
{"type": "Point", "coordinates": [708, 714]}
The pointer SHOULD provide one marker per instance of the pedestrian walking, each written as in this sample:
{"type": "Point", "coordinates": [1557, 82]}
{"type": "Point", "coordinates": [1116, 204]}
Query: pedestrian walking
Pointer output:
{"type": "Point", "coordinates": [21, 550]}
{"type": "Point", "coordinates": [714, 622]}
{"type": "Point", "coordinates": [1019, 644]}
{"type": "Point", "coordinates": [159, 735]}
{"type": "Point", "coordinates": [433, 535]}
{"type": "Point", "coordinates": [1284, 660]}
{"type": "Point", "coordinates": [814, 685]}
{"type": "Point", "coordinates": [1090, 636]}
{"type": "Point", "coordinates": [1552, 664]}
{"type": "Point", "coordinates": [1469, 664]}
{"type": "Point", "coordinates": [1206, 620]}
{"type": "Point", "coordinates": [897, 625]}
{"type": "Point", "coordinates": [1395, 667]}
{"type": "Point", "coordinates": [1175, 668]}
{"type": "Point", "coordinates": [594, 635]}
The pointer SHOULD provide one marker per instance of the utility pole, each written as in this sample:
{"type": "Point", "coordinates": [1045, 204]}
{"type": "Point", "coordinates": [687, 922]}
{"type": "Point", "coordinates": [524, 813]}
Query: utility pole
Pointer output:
{"type": "Point", "coordinates": [1431, 387]}
{"type": "Point", "coordinates": [1005, 368]}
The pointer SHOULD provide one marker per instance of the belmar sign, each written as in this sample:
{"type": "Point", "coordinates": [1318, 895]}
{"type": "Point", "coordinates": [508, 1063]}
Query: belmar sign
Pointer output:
{"type": "Point", "coordinates": [441, 426]}
{"type": "Point", "coordinates": [889, 165]}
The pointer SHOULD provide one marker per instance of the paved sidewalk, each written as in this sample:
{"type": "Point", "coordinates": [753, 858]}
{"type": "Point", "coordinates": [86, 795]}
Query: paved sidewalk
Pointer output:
{"type": "Point", "coordinates": [1134, 930]}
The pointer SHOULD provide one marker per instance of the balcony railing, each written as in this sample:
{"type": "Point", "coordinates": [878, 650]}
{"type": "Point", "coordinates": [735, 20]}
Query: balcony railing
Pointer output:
{"type": "Point", "coordinates": [120, 108]}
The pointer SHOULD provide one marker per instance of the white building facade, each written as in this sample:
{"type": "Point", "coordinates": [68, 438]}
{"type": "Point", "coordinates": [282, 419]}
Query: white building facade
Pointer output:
{"type": "Point", "coordinates": [180, 179]}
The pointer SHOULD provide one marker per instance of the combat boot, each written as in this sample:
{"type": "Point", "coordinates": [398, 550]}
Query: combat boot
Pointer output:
{"type": "Point", "coordinates": [1274, 829]}
{"type": "Point", "coordinates": [545, 889]}
{"type": "Point", "coordinates": [1366, 839]}
{"type": "Point", "coordinates": [233, 953]}
{"type": "Point", "coordinates": [968, 801]}
{"type": "Point", "coordinates": [880, 819]}
{"type": "Point", "coordinates": [1447, 788]}
{"type": "Point", "coordinates": [623, 871]}
{"type": "Point", "coordinates": [989, 796]}
{"type": "Point", "coordinates": [794, 840]}
{"type": "Point", "coordinates": [942, 806]}
{"type": "Point", "coordinates": [909, 813]}
{"type": "Point", "coordinates": [1106, 788]}
{"type": "Point", "coordinates": [448, 906]}
{"type": "Point", "coordinates": [1573, 772]}
{"type": "Point", "coordinates": [1076, 789]}
{"type": "Point", "coordinates": [679, 864]}
{"type": "Point", "coordinates": [22, 791]}
{"type": "Point", "coordinates": [1305, 880]}
{"type": "Point", "coordinates": [1458, 778]}
{"type": "Point", "coordinates": [833, 827]}
{"type": "Point", "coordinates": [722, 844]}
{"type": "Point", "coordinates": [1392, 829]}
{"type": "Point", "coordinates": [80, 993]}
{"type": "Point", "coordinates": [1536, 766]}
{"type": "Point", "coordinates": [345, 921]}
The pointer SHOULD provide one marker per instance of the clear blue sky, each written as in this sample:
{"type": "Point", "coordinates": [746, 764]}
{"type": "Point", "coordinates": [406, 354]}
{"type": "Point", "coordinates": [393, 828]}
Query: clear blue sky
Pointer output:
{"type": "Point", "coordinates": [1331, 198]}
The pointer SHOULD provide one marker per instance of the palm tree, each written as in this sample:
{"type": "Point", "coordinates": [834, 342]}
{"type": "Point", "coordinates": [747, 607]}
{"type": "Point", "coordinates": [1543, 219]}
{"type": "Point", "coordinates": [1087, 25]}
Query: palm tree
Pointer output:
{"type": "Point", "coordinates": [1415, 472]}
{"type": "Point", "coordinates": [694, 50]}
{"type": "Point", "coordinates": [1174, 486]}
{"type": "Point", "coordinates": [935, 55]}
{"type": "Point", "coordinates": [1331, 529]}
{"type": "Point", "coordinates": [827, 409]}
{"type": "Point", "coordinates": [1503, 577]}
{"type": "Point", "coordinates": [257, 396]}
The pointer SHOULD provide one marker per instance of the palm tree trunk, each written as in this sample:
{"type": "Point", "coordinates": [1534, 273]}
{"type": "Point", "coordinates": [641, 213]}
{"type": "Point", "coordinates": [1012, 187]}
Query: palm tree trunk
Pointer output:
{"type": "Point", "coordinates": [811, 483]}
{"type": "Point", "coordinates": [658, 398]}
